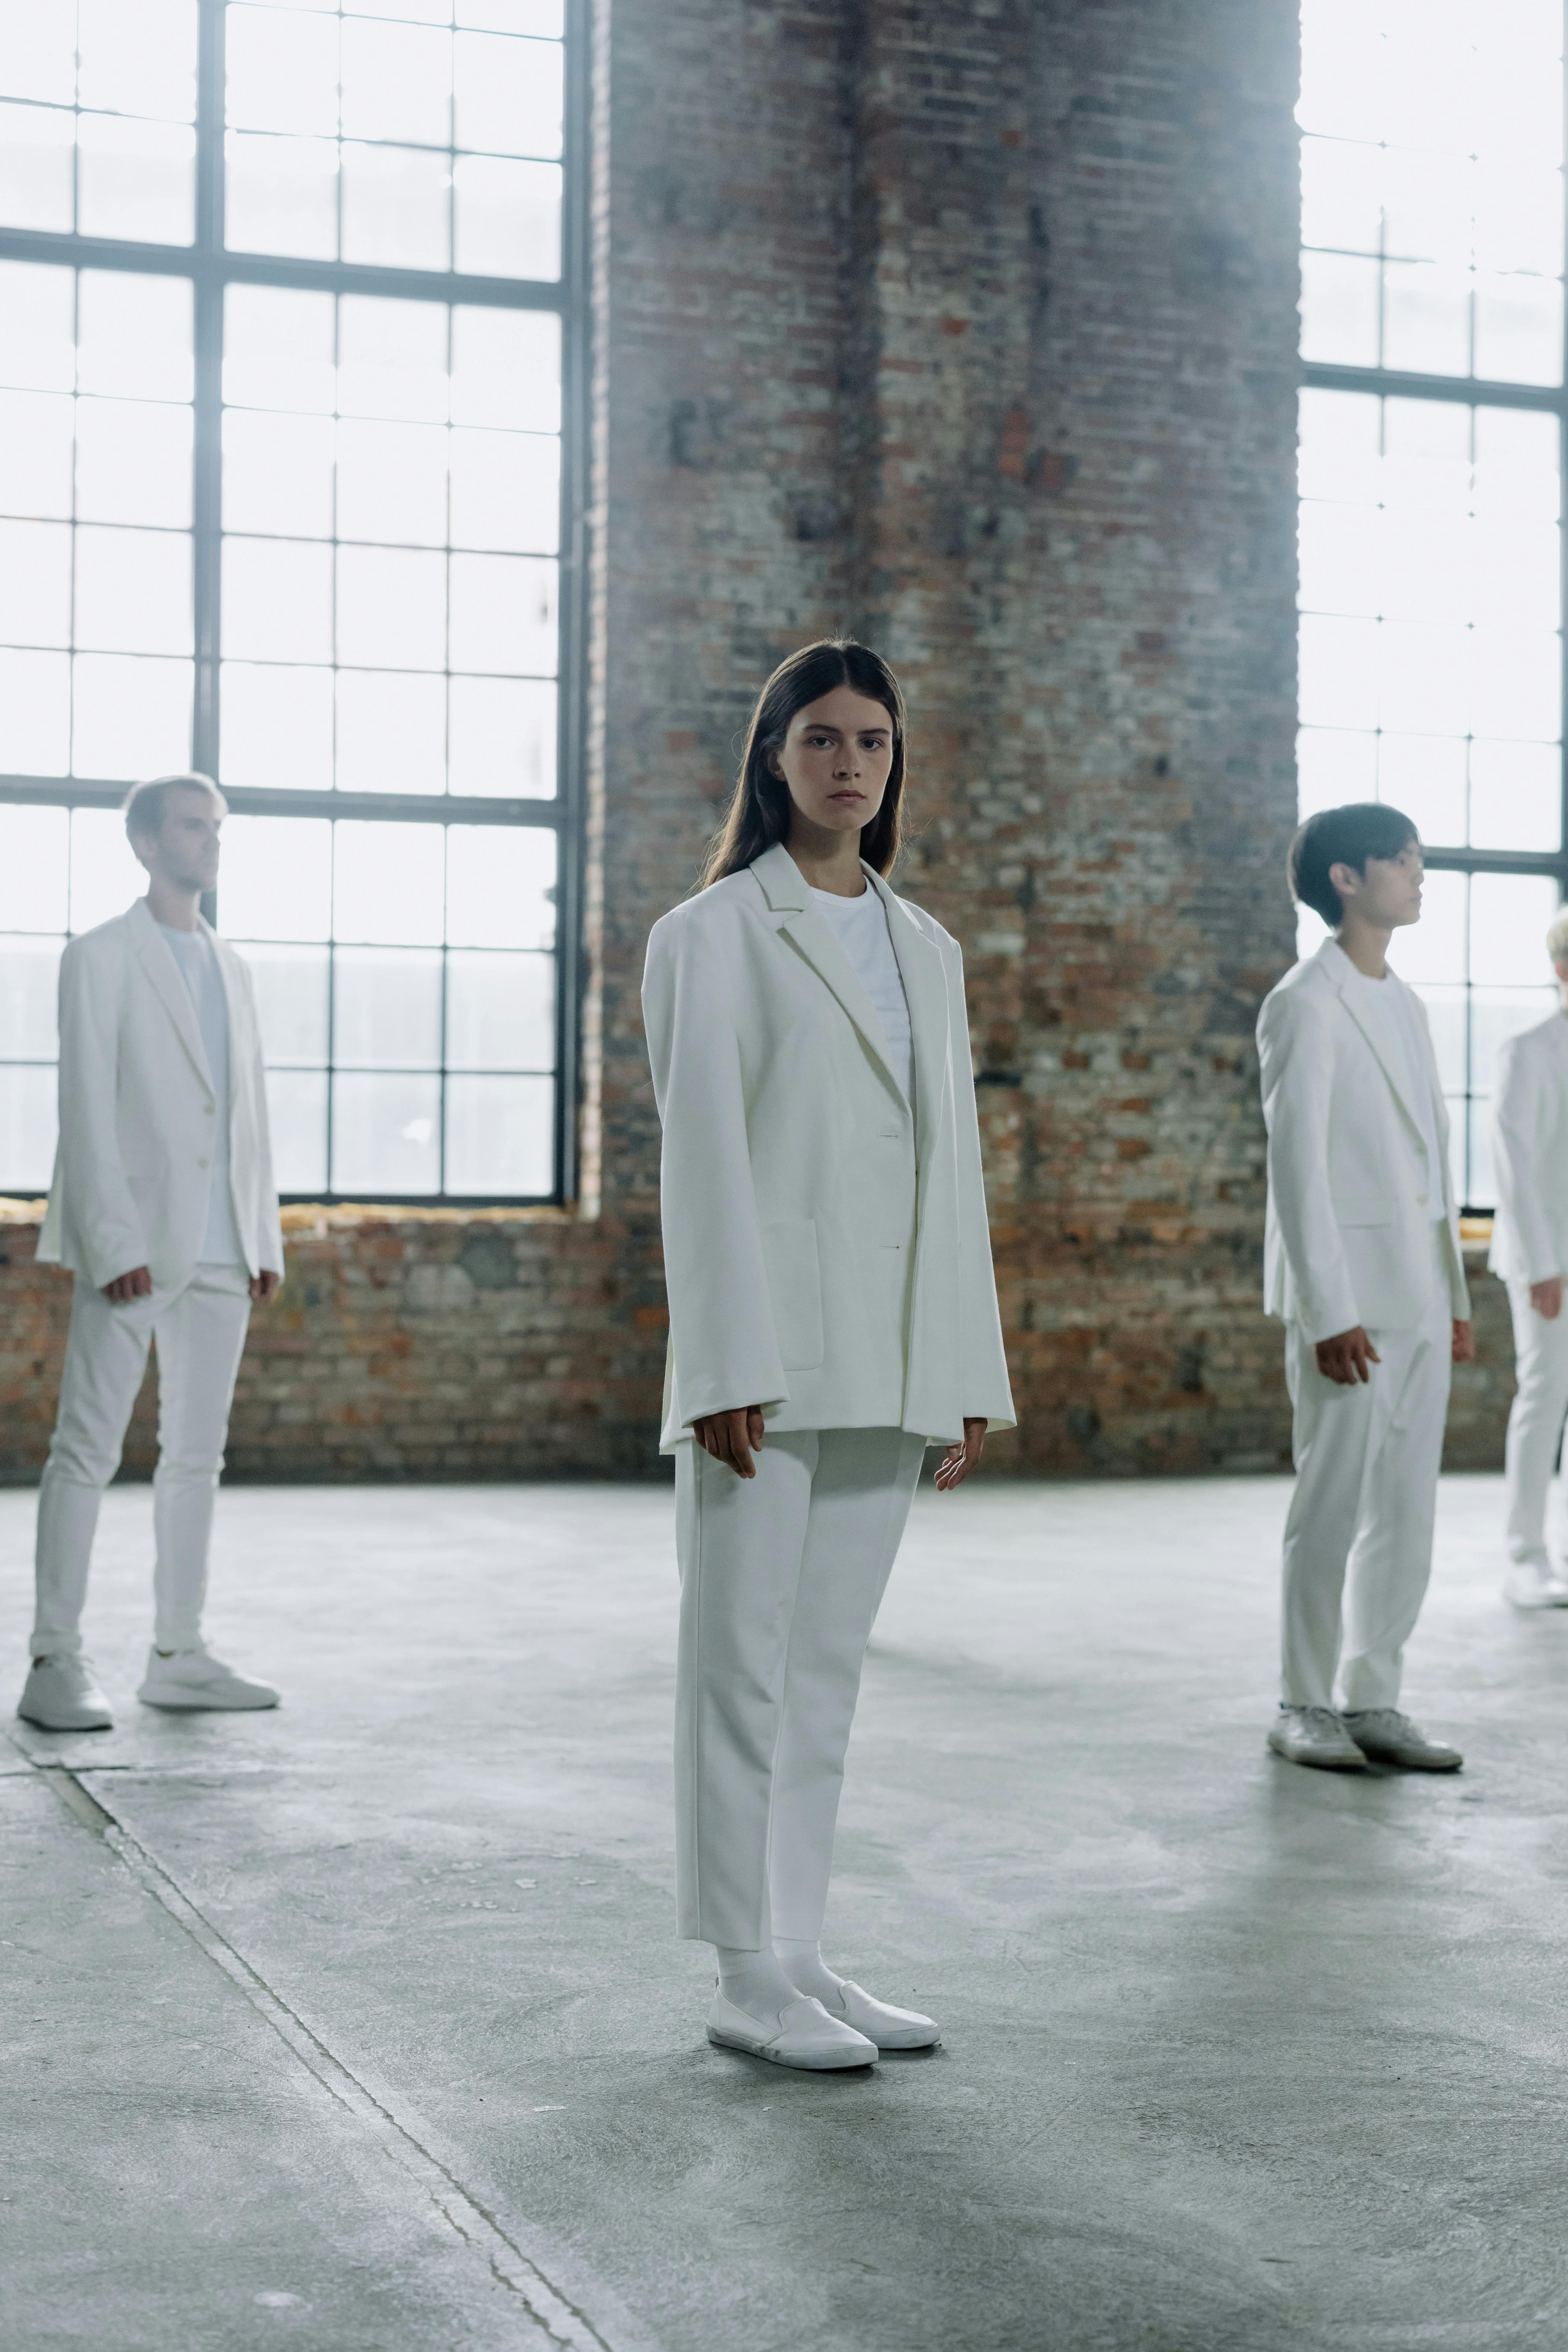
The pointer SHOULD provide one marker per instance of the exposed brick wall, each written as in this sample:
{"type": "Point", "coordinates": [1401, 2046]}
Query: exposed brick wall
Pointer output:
{"type": "Point", "coordinates": [969, 325]}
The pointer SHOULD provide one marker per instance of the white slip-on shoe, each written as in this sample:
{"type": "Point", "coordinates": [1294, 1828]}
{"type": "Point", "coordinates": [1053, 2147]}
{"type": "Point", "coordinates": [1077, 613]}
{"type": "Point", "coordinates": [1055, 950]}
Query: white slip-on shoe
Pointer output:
{"type": "Point", "coordinates": [188, 1682]}
{"type": "Point", "coordinates": [1389, 1738]}
{"type": "Point", "coordinates": [1314, 1735]}
{"type": "Point", "coordinates": [879, 2021]}
{"type": "Point", "coordinates": [802, 2034]}
{"type": "Point", "coordinates": [1534, 1583]}
{"type": "Point", "coordinates": [62, 1694]}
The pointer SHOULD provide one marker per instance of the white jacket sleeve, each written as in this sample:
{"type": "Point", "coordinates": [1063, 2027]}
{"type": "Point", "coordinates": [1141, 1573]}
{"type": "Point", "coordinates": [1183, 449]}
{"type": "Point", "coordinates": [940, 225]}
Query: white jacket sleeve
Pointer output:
{"type": "Point", "coordinates": [1515, 1123]}
{"type": "Point", "coordinates": [1296, 1066]}
{"type": "Point", "coordinates": [725, 1347]}
{"type": "Point", "coordinates": [272, 1238]}
{"type": "Point", "coordinates": [984, 1391]}
{"type": "Point", "coordinates": [98, 1198]}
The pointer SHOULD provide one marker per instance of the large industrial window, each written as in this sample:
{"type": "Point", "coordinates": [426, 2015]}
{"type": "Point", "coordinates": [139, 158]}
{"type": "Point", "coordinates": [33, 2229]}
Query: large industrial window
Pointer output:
{"type": "Point", "coordinates": [289, 353]}
{"type": "Point", "coordinates": [1431, 455]}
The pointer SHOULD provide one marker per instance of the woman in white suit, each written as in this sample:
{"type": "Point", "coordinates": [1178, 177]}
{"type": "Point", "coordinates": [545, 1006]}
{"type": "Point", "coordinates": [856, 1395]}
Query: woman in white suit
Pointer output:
{"type": "Point", "coordinates": [832, 1312]}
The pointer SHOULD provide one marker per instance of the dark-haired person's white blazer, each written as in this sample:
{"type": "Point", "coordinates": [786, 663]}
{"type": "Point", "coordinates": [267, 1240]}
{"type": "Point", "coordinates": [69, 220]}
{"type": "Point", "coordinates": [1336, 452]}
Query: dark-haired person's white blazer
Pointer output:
{"type": "Point", "coordinates": [1347, 1238]}
{"type": "Point", "coordinates": [822, 1261]}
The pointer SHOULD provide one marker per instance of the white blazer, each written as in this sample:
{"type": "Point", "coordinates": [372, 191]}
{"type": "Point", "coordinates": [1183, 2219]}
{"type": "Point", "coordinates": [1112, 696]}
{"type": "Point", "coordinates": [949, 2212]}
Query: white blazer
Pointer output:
{"type": "Point", "coordinates": [827, 1257]}
{"type": "Point", "coordinates": [1530, 1155]}
{"type": "Point", "coordinates": [137, 1115]}
{"type": "Point", "coordinates": [1346, 1235]}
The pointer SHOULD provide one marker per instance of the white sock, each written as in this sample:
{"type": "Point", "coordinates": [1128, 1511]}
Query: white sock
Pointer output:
{"type": "Point", "coordinates": [806, 1970]}
{"type": "Point", "coordinates": [754, 1981]}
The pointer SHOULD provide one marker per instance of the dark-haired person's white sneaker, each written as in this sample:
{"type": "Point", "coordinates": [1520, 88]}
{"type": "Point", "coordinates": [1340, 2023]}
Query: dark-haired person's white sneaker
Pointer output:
{"type": "Point", "coordinates": [1314, 1735]}
{"type": "Point", "coordinates": [191, 1682]}
{"type": "Point", "coordinates": [62, 1694]}
{"type": "Point", "coordinates": [1389, 1738]}
{"type": "Point", "coordinates": [879, 2021]}
{"type": "Point", "coordinates": [799, 2034]}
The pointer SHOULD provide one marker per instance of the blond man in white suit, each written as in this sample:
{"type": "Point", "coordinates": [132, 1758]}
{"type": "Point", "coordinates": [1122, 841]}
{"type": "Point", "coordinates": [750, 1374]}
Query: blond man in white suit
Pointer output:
{"type": "Point", "coordinates": [163, 1207]}
{"type": "Point", "coordinates": [1363, 1264]}
{"type": "Point", "coordinates": [1530, 1251]}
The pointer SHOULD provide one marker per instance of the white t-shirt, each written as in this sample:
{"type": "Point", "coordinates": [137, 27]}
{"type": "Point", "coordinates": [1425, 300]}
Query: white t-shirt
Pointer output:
{"type": "Point", "coordinates": [860, 926]}
{"type": "Point", "coordinates": [197, 959]}
{"type": "Point", "coordinates": [1390, 1009]}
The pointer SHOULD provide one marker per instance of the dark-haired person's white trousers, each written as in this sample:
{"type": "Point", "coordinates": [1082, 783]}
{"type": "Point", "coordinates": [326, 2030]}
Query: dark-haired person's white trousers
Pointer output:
{"type": "Point", "coordinates": [781, 1579]}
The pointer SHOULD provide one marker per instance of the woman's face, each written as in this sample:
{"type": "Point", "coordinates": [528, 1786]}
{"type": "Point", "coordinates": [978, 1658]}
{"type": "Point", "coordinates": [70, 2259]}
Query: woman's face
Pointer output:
{"type": "Point", "coordinates": [836, 760]}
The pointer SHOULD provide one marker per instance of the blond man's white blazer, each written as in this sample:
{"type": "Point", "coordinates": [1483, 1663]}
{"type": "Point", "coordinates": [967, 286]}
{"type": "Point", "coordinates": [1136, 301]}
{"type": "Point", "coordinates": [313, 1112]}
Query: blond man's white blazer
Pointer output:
{"type": "Point", "coordinates": [826, 1254]}
{"type": "Point", "coordinates": [1530, 1155]}
{"type": "Point", "coordinates": [139, 1112]}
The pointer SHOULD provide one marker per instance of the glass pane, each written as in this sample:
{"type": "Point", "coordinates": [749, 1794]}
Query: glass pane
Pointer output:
{"type": "Point", "coordinates": [134, 336]}
{"type": "Point", "coordinates": [278, 600]}
{"type": "Point", "coordinates": [1334, 765]}
{"type": "Point", "coordinates": [386, 1009]}
{"type": "Point", "coordinates": [136, 179]}
{"type": "Point", "coordinates": [35, 583]}
{"type": "Point", "coordinates": [34, 869]}
{"type": "Point", "coordinates": [27, 1129]}
{"type": "Point", "coordinates": [1518, 683]}
{"type": "Point", "coordinates": [133, 462]}
{"type": "Point", "coordinates": [36, 165]}
{"type": "Point", "coordinates": [297, 1115]}
{"type": "Point", "coordinates": [131, 716]}
{"type": "Point", "coordinates": [1446, 1012]}
{"type": "Point", "coordinates": [37, 50]}
{"type": "Point", "coordinates": [506, 370]}
{"type": "Point", "coordinates": [133, 591]}
{"type": "Point", "coordinates": [505, 491]}
{"type": "Point", "coordinates": [501, 737]}
{"type": "Point", "coordinates": [392, 607]}
{"type": "Point", "coordinates": [501, 886]}
{"type": "Point", "coordinates": [282, 69]}
{"type": "Point", "coordinates": [1515, 575]}
{"type": "Point", "coordinates": [391, 482]}
{"type": "Point", "coordinates": [1341, 557]}
{"type": "Point", "coordinates": [385, 1138]}
{"type": "Point", "coordinates": [280, 195]}
{"type": "Point", "coordinates": [291, 986]}
{"type": "Point", "coordinates": [140, 59]}
{"type": "Point", "coordinates": [395, 207]}
{"type": "Point", "coordinates": [276, 727]}
{"type": "Point", "coordinates": [1433, 948]}
{"type": "Point", "coordinates": [501, 1012]}
{"type": "Point", "coordinates": [503, 616]}
{"type": "Point", "coordinates": [1424, 775]}
{"type": "Point", "coordinates": [105, 875]}
{"type": "Point", "coordinates": [1339, 308]}
{"type": "Point", "coordinates": [1426, 682]}
{"type": "Point", "coordinates": [1519, 329]}
{"type": "Point", "coordinates": [1342, 70]}
{"type": "Point", "coordinates": [500, 1136]}
{"type": "Point", "coordinates": [1519, 218]}
{"type": "Point", "coordinates": [30, 987]}
{"type": "Point", "coordinates": [392, 359]}
{"type": "Point", "coordinates": [1476, 1126]}
{"type": "Point", "coordinates": [1425, 318]}
{"type": "Point", "coordinates": [397, 82]}
{"type": "Point", "coordinates": [1428, 203]}
{"type": "Point", "coordinates": [1339, 667]}
{"type": "Point", "coordinates": [35, 714]}
{"type": "Point", "coordinates": [543, 17]}
{"type": "Point", "coordinates": [410, 11]}
{"type": "Point", "coordinates": [1515, 466]}
{"type": "Point", "coordinates": [508, 218]}
{"type": "Point", "coordinates": [1341, 453]}
{"type": "Point", "coordinates": [508, 95]}
{"type": "Point", "coordinates": [278, 473]}
{"type": "Point", "coordinates": [278, 348]}
{"type": "Point", "coordinates": [391, 732]}
{"type": "Point", "coordinates": [37, 314]}
{"type": "Point", "coordinates": [277, 878]}
{"type": "Point", "coordinates": [388, 884]}
{"type": "Point", "coordinates": [1516, 795]}
{"type": "Point", "coordinates": [1509, 914]}
{"type": "Point", "coordinates": [34, 453]}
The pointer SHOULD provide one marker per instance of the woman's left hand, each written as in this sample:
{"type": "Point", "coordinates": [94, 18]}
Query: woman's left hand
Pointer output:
{"type": "Point", "coordinates": [959, 1460]}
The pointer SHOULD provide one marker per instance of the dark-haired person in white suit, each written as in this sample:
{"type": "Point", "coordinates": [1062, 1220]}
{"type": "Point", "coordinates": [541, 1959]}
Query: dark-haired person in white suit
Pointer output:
{"type": "Point", "coordinates": [1362, 1263]}
{"type": "Point", "coordinates": [1530, 1251]}
{"type": "Point", "coordinates": [832, 1311]}
{"type": "Point", "coordinates": [163, 1207]}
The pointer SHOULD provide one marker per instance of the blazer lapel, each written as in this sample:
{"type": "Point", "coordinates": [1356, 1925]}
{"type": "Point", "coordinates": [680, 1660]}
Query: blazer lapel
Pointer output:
{"type": "Point", "coordinates": [925, 992]}
{"type": "Point", "coordinates": [1396, 1078]}
{"type": "Point", "coordinates": [157, 962]}
{"type": "Point", "coordinates": [784, 888]}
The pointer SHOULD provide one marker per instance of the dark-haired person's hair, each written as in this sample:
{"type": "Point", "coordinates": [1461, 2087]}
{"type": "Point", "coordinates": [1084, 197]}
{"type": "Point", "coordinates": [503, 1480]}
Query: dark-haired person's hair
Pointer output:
{"type": "Point", "coordinates": [1342, 836]}
{"type": "Point", "coordinates": [758, 815]}
{"type": "Point", "coordinates": [145, 805]}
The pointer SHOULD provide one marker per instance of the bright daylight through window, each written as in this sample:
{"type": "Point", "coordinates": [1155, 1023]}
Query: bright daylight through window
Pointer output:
{"type": "Point", "coordinates": [1431, 455]}
{"type": "Point", "coordinates": [286, 316]}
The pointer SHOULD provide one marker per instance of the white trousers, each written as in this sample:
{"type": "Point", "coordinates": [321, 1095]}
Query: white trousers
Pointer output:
{"type": "Point", "coordinates": [200, 1330]}
{"type": "Point", "coordinates": [1367, 1460]}
{"type": "Point", "coordinates": [781, 1579]}
{"type": "Point", "coordinates": [1535, 1421]}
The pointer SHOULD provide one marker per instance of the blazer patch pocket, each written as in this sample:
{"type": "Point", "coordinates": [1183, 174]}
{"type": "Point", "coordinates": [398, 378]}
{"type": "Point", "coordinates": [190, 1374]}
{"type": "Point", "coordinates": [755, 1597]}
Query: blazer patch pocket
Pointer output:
{"type": "Point", "coordinates": [794, 1286]}
{"type": "Point", "coordinates": [1363, 1209]}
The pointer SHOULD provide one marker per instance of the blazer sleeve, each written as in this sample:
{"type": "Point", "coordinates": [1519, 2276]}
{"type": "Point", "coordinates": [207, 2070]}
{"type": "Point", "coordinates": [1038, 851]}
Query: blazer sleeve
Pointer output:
{"type": "Point", "coordinates": [1296, 1067]}
{"type": "Point", "coordinates": [97, 1198]}
{"type": "Point", "coordinates": [271, 1258]}
{"type": "Point", "coordinates": [984, 1391]}
{"type": "Point", "coordinates": [722, 1335]}
{"type": "Point", "coordinates": [1516, 1120]}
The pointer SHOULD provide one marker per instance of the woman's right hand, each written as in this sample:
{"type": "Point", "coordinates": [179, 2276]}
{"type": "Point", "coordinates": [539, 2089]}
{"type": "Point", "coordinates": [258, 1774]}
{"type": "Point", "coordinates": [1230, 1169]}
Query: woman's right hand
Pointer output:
{"type": "Point", "coordinates": [733, 1437]}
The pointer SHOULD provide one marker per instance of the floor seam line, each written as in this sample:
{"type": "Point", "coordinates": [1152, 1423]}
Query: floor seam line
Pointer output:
{"type": "Point", "coordinates": [563, 2321]}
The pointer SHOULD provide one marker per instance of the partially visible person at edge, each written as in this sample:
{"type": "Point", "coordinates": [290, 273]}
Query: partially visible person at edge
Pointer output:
{"type": "Point", "coordinates": [832, 1312]}
{"type": "Point", "coordinates": [1362, 1263]}
{"type": "Point", "coordinates": [163, 1207]}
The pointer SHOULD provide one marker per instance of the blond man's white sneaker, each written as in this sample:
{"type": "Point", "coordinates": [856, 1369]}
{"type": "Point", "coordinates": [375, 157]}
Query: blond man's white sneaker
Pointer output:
{"type": "Point", "coordinates": [1314, 1735]}
{"type": "Point", "coordinates": [1534, 1583]}
{"type": "Point", "coordinates": [802, 2034]}
{"type": "Point", "coordinates": [191, 1682]}
{"type": "Point", "coordinates": [62, 1694]}
{"type": "Point", "coordinates": [1389, 1738]}
{"type": "Point", "coordinates": [879, 2021]}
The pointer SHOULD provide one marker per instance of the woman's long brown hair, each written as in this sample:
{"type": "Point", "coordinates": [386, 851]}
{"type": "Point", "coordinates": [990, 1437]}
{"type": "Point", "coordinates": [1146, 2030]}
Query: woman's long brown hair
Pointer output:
{"type": "Point", "coordinates": [759, 815]}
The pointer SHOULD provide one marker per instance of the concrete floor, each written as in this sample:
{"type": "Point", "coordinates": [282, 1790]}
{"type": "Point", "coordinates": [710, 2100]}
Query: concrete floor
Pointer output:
{"type": "Point", "coordinates": [363, 2025]}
